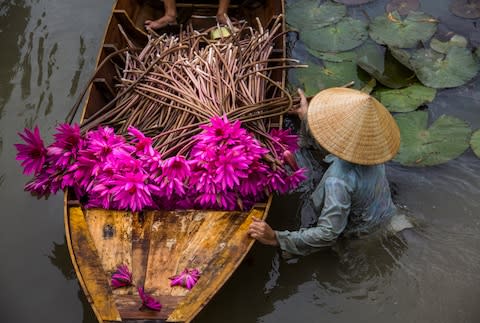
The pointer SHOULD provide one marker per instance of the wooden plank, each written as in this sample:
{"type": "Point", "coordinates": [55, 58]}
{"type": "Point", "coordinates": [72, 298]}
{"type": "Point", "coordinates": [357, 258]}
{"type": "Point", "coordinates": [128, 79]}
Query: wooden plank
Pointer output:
{"type": "Point", "coordinates": [90, 267]}
{"type": "Point", "coordinates": [141, 232]}
{"type": "Point", "coordinates": [206, 240]}
{"type": "Point", "coordinates": [129, 307]}
{"type": "Point", "coordinates": [112, 234]}
{"type": "Point", "coordinates": [218, 270]}
{"type": "Point", "coordinates": [170, 234]}
{"type": "Point", "coordinates": [129, 26]}
{"type": "Point", "coordinates": [105, 88]}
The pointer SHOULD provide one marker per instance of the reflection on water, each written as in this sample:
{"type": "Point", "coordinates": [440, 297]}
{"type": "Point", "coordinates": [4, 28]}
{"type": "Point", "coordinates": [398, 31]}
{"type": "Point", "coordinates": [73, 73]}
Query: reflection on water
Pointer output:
{"type": "Point", "coordinates": [13, 21]}
{"type": "Point", "coordinates": [433, 275]}
{"type": "Point", "coordinates": [60, 258]}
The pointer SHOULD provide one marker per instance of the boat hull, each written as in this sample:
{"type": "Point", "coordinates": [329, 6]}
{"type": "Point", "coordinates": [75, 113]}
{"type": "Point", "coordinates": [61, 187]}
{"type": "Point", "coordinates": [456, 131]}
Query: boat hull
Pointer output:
{"type": "Point", "coordinates": [157, 244]}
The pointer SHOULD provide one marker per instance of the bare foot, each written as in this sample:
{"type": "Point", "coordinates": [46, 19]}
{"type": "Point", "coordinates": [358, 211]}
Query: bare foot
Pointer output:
{"type": "Point", "coordinates": [161, 22]}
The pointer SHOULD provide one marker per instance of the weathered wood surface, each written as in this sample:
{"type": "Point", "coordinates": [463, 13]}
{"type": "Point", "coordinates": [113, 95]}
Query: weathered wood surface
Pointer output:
{"type": "Point", "coordinates": [129, 307]}
{"type": "Point", "coordinates": [220, 257]}
{"type": "Point", "coordinates": [156, 245]}
{"type": "Point", "coordinates": [94, 277]}
{"type": "Point", "coordinates": [141, 233]}
{"type": "Point", "coordinates": [111, 232]}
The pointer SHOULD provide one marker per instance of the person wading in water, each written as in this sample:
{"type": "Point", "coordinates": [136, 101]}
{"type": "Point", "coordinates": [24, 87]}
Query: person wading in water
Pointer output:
{"type": "Point", "coordinates": [353, 198]}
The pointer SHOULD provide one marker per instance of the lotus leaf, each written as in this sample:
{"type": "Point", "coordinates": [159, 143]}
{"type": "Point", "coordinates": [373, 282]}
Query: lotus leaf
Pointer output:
{"type": "Point", "coordinates": [316, 77]}
{"type": "Point", "coordinates": [402, 56]}
{"type": "Point", "coordinates": [475, 143]}
{"type": "Point", "coordinates": [381, 65]}
{"type": "Point", "coordinates": [393, 31]}
{"type": "Point", "coordinates": [403, 7]}
{"type": "Point", "coordinates": [466, 8]}
{"type": "Point", "coordinates": [334, 57]}
{"type": "Point", "coordinates": [443, 47]}
{"type": "Point", "coordinates": [307, 14]}
{"type": "Point", "coordinates": [353, 2]}
{"type": "Point", "coordinates": [346, 34]}
{"type": "Point", "coordinates": [406, 99]}
{"type": "Point", "coordinates": [438, 70]}
{"type": "Point", "coordinates": [445, 139]}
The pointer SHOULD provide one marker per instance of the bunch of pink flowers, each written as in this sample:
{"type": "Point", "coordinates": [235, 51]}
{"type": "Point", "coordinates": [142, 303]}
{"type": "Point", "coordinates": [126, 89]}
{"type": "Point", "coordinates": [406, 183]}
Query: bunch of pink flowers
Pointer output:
{"type": "Point", "coordinates": [227, 168]}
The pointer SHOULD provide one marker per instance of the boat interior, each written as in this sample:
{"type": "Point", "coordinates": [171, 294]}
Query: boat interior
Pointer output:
{"type": "Point", "coordinates": [127, 22]}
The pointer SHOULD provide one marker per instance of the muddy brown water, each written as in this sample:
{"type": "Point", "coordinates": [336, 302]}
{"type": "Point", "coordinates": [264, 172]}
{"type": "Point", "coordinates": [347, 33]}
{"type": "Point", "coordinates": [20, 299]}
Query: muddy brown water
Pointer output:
{"type": "Point", "coordinates": [48, 50]}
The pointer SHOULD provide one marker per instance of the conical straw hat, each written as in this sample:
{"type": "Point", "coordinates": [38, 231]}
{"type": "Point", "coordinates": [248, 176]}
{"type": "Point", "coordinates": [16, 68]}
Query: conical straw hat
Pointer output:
{"type": "Point", "coordinates": [354, 126]}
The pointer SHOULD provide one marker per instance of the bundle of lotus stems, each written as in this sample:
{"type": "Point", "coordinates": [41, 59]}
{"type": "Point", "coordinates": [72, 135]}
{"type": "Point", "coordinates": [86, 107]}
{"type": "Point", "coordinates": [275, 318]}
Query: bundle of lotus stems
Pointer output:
{"type": "Point", "coordinates": [177, 83]}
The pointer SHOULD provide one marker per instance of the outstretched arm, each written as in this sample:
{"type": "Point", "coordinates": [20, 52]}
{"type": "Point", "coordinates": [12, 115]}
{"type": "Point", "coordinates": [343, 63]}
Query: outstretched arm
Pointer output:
{"type": "Point", "coordinates": [332, 221]}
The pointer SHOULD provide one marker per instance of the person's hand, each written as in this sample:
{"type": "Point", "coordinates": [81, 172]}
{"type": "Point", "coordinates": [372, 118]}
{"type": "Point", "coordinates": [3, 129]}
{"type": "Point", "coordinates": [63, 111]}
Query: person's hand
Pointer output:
{"type": "Point", "coordinates": [301, 111]}
{"type": "Point", "coordinates": [262, 232]}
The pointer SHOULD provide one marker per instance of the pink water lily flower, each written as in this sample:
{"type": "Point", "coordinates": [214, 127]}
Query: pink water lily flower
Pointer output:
{"type": "Point", "coordinates": [142, 144]}
{"type": "Point", "coordinates": [32, 154]}
{"type": "Point", "coordinates": [121, 277]}
{"type": "Point", "coordinates": [284, 139]}
{"type": "Point", "coordinates": [187, 278]}
{"type": "Point", "coordinates": [176, 167]}
{"type": "Point", "coordinates": [148, 301]}
{"type": "Point", "coordinates": [131, 191]}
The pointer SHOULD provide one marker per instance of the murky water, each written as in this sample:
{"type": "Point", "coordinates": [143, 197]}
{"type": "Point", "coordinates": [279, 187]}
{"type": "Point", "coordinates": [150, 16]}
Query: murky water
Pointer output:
{"type": "Point", "coordinates": [48, 50]}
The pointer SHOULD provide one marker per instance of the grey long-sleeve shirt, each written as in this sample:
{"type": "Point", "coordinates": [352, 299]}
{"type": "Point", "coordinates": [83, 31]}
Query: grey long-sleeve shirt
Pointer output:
{"type": "Point", "coordinates": [350, 198]}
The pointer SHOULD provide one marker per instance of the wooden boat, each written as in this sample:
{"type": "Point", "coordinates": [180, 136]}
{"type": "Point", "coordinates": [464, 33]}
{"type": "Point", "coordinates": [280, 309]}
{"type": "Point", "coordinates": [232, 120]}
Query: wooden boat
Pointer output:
{"type": "Point", "coordinates": [157, 244]}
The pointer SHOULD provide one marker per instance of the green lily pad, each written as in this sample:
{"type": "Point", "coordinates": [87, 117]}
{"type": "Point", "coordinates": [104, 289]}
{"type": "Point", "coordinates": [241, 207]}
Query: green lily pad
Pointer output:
{"type": "Point", "coordinates": [394, 31]}
{"type": "Point", "coordinates": [445, 139]}
{"type": "Point", "coordinates": [353, 2]}
{"type": "Point", "coordinates": [401, 55]}
{"type": "Point", "coordinates": [466, 8]}
{"type": "Point", "coordinates": [350, 56]}
{"type": "Point", "coordinates": [475, 143]}
{"type": "Point", "coordinates": [437, 70]}
{"type": "Point", "coordinates": [381, 65]}
{"type": "Point", "coordinates": [316, 77]}
{"type": "Point", "coordinates": [344, 35]}
{"type": "Point", "coordinates": [308, 14]}
{"type": "Point", "coordinates": [403, 7]}
{"type": "Point", "coordinates": [443, 47]}
{"type": "Point", "coordinates": [406, 99]}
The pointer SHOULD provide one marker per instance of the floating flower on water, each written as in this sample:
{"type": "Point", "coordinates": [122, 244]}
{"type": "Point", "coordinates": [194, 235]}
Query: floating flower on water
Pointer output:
{"type": "Point", "coordinates": [121, 277]}
{"type": "Point", "coordinates": [148, 301]}
{"type": "Point", "coordinates": [187, 278]}
{"type": "Point", "coordinates": [32, 154]}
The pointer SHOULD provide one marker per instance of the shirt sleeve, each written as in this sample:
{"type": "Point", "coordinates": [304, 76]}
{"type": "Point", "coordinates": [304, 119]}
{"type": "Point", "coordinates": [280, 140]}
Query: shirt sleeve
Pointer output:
{"type": "Point", "coordinates": [332, 221]}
